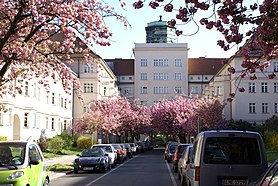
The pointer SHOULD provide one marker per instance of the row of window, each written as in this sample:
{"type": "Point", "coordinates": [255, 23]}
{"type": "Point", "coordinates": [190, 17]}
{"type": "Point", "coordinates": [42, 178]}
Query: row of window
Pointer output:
{"type": "Point", "coordinates": [161, 76]}
{"type": "Point", "coordinates": [161, 63]}
{"type": "Point", "coordinates": [160, 90]}
{"type": "Point", "coordinates": [264, 87]}
{"type": "Point", "coordinates": [264, 108]}
{"type": "Point", "coordinates": [37, 122]}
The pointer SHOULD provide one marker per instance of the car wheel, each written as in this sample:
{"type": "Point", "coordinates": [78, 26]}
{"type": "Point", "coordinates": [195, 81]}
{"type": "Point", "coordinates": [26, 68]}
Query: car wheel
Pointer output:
{"type": "Point", "coordinates": [46, 182]}
{"type": "Point", "coordinates": [75, 171]}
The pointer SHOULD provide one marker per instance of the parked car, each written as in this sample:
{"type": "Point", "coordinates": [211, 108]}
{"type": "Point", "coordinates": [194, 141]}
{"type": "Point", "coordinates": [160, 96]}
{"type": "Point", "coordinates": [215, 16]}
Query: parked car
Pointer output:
{"type": "Point", "coordinates": [177, 154]}
{"type": "Point", "coordinates": [22, 163]}
{"type": "Point", "coordinates": [269, 178]}
{"type": "Point", "coordinates": [110, 151]}
{"type": "Point", "coordinates": [223, 157]}
{"type": "Point", "coordinates": [95, 159]}
{"type": "Point", "coordinates": [142, 146]}
{"type": "Point", "coordinates": [169, 151]}
{"type": "Point", "coordinates": [124, 150]}
{"type": "Point", "coordinates": [120, 153]}
{"type": "Point", "coordinates": [128, 150]}
{"type": "Point", "coordinates": [183, 165]}
{"type": "Point", "coordinates": [133, 148]}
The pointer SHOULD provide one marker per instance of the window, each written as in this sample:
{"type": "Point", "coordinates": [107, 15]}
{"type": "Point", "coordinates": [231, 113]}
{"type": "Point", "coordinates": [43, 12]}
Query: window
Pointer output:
{"type": "Point", "coordinates": [62, 102]}
{"type": "Point", "coordinates": [104, 91]}
{"type": "Point", "coordinates": [144, 62]}
{"type": "Point", "coordinates": [123, 78]}
{"type": "Point", "coordinates": [264, 87]}
{"type": "Point", "coordinates": [126, 90]}
{"type": "Point", "coordinates": [53, 99]}
{"type": "Point", "coordinates": [88, 68]}
{"type": "Point", "coordinates": [26, 89]}
{"type": "Point", "coordinates": [275, 66]}
{"type": "Point", "coordinates": [177, 76]}
{"type": "Point", "coordinates": [161, 76]}
{"type": "Point", "coordinates": [35, 120]}
{"type": "Point", "coordinates": [144, 90]}
{"type": "Point", "coordinates": [52, 124]}
{"type": "Point", "coordinates": [46, 122]}
{"type": "Point", "coordinates": [130, 78]}
{"type": "Point", "coordinates": [34, 153]}
{"type": "Point", "coordinates": [218, 90]}
{"type": "Point", "coordinates": [275, 107]}
{"type": "Point", "coordinates": [88, 87]}
{"type": "Point", "coordinates": [191, 78]}
{"type": "Point", "coordinates": [177, 62]}
{"type": "Point", "coordinates": [178, 90]}
{"type": "Point", "coordinates": [26, 115]}
{"type": "Point", "coordinates": [161, 90]}
{"type": "Point", "coordinates": [65, 104]}
{"type": "Point", "coordinates": [39, 94]}
{"type": "Point", "coordinates": [252, 108]}
{"type": "Point", "coordinates": [65, 124]}
{"type": "Point", "coordinates": [264, 108]}
{"type": "Point", "coordinates": [195, 90]}
{"type": "Point", "coordinates": [144, 76]}
{"type": "Point", "coordinates": [231, 150]}
{"type": "Point", "coordinates": [252, 87]}
{"type": "Point", "coordinates": [275, 88]}
{"type": "Point", "coordinates": [160, 63]}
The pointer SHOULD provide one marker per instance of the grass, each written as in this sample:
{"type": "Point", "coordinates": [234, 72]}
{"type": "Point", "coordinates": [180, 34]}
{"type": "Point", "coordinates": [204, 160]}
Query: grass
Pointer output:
{"type": "Point", "coordinates": [59, 167]}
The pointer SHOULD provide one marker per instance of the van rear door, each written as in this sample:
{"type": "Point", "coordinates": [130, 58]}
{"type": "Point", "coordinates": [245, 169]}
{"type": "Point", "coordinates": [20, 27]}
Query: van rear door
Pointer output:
{"type": "Point", "coordinates": [232, 158]}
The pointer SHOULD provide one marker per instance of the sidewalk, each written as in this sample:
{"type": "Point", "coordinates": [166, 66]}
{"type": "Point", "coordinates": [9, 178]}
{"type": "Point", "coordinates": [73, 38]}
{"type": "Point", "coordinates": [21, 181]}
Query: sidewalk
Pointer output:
{"type": "Point", "coordinates": [66, 159]}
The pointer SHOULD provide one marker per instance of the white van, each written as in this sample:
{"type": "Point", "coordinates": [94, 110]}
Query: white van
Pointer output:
{"type": "Point", "coordinates": [226, 158]}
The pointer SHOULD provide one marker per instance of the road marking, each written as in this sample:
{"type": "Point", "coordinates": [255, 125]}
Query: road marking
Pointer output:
{"type": "Point", "coordinates": [109, 172]}
{"type": "Point", "coordinates": [171, 175]}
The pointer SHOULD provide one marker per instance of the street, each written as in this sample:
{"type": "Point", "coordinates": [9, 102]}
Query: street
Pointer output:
{"type": "Point", "coordinates": [146, 169]}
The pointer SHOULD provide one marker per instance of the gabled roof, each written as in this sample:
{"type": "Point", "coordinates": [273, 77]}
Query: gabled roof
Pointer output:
{"type": "Point", "coordinates": [206, 66]}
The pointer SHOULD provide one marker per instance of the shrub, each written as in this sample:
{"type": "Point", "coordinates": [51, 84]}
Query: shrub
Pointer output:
{"type": "Point", "coordinates": [3, 138]}
{"type": "Point", "coordinates": [56, 144]}
{"type": "Point", "coordinates": [268, 136]}
{"type": "Point", "coordinates": [274, 142]}
{"type": "Point", "coordinates": [67, 138]}
{"type": "Point", "coordinates": [84, 142]}
{"type": "Point", "coordinates": [43, 145]}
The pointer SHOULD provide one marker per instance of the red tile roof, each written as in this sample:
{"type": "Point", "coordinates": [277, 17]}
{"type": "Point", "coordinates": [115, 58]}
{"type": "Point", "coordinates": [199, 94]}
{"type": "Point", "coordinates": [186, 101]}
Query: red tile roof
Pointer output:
{"type": "Point", "coordinates": [122, 67]}
{"type": "Point", "coordinates": [208, 66]}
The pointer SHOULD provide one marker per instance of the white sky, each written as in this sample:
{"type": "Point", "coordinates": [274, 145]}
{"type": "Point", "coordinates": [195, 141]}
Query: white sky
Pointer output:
{"type": "Point", "coordinates": [202, 44]}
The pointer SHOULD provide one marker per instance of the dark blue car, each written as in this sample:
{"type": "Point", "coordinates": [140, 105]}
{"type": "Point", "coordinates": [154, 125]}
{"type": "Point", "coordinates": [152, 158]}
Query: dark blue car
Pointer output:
{"type": "Point", "coordinates": [92, 160]}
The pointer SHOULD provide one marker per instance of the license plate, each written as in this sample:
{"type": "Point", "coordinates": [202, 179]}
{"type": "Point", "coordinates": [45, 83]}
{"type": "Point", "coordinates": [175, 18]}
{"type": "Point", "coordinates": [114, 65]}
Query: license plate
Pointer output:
{"type": "Point", "coordinates": [231, 182]}
{"type": "Point", "coordinates": [88, 168]}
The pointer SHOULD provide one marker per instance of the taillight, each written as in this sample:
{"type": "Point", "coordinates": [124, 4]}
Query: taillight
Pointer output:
{"type": "Point", "coordinates": [197, 173]}
{"type": "Point", "coordinates": [118, 152]}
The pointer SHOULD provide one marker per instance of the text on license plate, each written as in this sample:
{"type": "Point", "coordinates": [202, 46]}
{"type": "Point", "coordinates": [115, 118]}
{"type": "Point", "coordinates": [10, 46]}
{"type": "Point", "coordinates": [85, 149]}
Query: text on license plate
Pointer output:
{"type": "Point", "coordinates": [88, 168]}
{"type": "Point", "coordinates": [234, 182]}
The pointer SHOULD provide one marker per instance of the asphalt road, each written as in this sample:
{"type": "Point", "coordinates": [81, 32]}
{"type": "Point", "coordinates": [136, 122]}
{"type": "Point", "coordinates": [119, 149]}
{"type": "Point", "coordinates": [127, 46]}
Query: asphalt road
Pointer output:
{"type": "Point", "coordinates": [146, 169]}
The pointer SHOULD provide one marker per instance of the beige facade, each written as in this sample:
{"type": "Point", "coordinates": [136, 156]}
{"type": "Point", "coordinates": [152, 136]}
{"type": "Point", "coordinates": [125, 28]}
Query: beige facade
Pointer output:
{"type": "Point", "coordinates": [160, 71]}
{"type": "Point", "coordinates": [257, 103]}
{"type": "Point", "coordinates": [34, 110]}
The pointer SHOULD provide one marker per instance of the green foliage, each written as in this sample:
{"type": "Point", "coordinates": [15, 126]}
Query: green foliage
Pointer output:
{"type": "Point", "coordinates": [274, 142]}
{"type": "Point", "coordinates": [242, 125]}
{"type": "Point", "coordinates": [67, 138]}
{"type": "Point", "coordinates": [3, 138]}
{"type": "Point", "coordinates": [43, 145]}
{"type": "Point", "coordinates": [56, 144]}
{"type": "Point", "coordinates": [268, 139]}
{"type": "Point", "coordinates": [84, 142]}
{"type": "Point", "coordinates": [271, 124]}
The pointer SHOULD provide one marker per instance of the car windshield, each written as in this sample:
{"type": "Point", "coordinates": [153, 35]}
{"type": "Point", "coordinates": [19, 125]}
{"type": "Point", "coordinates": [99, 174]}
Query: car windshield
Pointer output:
{"type": "Point", "coordinates": [173, 148]}
{"type": "Point", "coordinates": [12, 153]}
{"type": "Point", "coordinates": [117, 147]}
{"type": "Point", "coordinates": [91, 153]}
{"type": "Point", "coordinates": [226, 150]}
{"type": "Point", "coordinates": [106, 148]}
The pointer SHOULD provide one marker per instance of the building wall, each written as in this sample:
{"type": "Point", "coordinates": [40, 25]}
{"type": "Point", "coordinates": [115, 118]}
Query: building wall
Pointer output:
{"type": "Point", "coordinates": [34, 110]}
{"type": "Point", "coordinates": [157, 60]}
{"type": "Point", "coordinates": [253, 106]}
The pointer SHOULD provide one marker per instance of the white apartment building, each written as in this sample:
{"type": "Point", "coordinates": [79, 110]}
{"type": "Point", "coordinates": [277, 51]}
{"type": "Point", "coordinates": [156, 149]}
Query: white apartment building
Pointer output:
{"type": "Point", "coordinates": [97, 82]}
{"type": "Point", "coordinates": [33, 110]}
{"type": "Point", "coordinates": [257, 103]}
{"type": "Point", "coordinates": [160, 71]}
